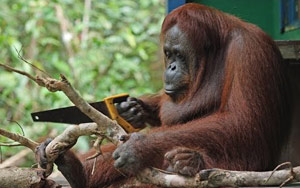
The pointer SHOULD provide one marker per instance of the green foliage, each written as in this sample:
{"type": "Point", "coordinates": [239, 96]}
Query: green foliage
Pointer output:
{"type": "Point", "coordinates": [117, 54]}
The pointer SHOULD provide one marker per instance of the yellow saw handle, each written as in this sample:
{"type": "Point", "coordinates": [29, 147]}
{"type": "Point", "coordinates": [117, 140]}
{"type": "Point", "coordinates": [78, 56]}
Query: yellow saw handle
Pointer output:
{"type": "Point", "coordinates": [109, 101]}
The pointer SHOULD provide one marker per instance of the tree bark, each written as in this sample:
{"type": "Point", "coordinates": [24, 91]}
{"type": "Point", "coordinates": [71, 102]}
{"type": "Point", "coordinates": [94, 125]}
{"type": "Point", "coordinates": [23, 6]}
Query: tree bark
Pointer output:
{"type": "Point", "coordinates": [24, 178]}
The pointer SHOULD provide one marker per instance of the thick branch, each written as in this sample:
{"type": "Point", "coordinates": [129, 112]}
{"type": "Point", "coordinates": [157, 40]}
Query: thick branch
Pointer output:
{"type": "Point", "coordinates": [220, 178]}
{"type": "Point", "coordinates": [24, 178]}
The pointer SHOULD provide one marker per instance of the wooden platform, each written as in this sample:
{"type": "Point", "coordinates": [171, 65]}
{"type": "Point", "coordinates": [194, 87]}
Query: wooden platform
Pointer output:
{"type": "Point", "coordinates": [290, 50]}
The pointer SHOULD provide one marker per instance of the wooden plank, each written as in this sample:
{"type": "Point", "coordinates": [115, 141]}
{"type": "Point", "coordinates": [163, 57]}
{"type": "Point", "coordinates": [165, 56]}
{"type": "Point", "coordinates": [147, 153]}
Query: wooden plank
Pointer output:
{"type": "Point", "coordinates": [290, 49]}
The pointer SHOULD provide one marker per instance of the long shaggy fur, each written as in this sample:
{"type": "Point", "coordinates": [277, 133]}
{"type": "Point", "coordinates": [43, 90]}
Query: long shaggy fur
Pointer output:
{"type": "Point", "coordinates": [235, 112]}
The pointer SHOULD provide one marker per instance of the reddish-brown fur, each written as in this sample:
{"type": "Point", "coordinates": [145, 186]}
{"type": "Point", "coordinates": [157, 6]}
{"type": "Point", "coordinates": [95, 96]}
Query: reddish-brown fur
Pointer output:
{"type": "Point", "coordinates": [235, 110]}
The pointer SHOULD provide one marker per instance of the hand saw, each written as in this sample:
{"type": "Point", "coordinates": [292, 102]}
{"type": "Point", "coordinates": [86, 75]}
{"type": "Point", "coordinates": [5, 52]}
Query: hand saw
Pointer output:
{"type": "Point", "coordinates": [72, 115]}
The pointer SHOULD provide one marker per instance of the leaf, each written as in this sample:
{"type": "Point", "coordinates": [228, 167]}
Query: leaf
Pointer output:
{"type": "Point", "coordinates": [130, 38]}
{"type": "Point", "coordinates": [30, 25]}
{"type": "Point", "coordinates": [143, 54]}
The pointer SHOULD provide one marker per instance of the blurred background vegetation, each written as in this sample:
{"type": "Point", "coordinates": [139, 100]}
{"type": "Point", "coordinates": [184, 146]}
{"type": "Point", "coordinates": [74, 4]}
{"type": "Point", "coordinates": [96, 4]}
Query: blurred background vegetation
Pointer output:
{"type": "Point", "coordinates": [104, 47]}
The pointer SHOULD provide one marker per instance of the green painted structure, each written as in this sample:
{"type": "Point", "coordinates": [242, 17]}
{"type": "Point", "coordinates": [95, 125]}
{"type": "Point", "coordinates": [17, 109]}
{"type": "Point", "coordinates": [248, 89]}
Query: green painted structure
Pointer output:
{"type": "Point", "coordinates": [263, 13]}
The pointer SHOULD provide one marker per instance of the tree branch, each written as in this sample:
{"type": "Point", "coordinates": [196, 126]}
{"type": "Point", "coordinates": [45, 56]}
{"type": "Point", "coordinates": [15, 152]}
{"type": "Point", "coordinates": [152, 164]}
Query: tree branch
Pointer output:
{"type": "Point", "coordinates": [24, 178]}
{"type": "Point", "coordinates": [103, 125]}
{"type": "Point", "coordinates": [19, 138]}
{"type": "Point", "coordinates": [220, 178]}
{"type": "Point", "coordinates": [10, 69]}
